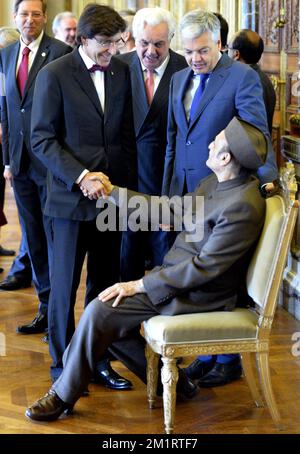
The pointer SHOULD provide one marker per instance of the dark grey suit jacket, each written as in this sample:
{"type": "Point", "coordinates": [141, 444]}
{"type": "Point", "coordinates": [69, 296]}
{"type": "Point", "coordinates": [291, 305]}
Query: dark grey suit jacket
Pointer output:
{"type": "Point", "coordinates": [206, 274]}
{"type": "Point", "coordinates": [16, 111]}
{"type": "Point", "coordinates": [269, 94]}
{"type": "Point", "coordinates": [72, 133]}
{"type": "Point", "coordinates": [150, 123]}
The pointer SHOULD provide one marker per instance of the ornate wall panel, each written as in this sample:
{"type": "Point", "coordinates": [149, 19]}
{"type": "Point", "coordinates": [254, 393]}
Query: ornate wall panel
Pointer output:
{"type": "Point", "coordinates": [269, 14]}
{"type": "Point", "coordinates": [292, 32]}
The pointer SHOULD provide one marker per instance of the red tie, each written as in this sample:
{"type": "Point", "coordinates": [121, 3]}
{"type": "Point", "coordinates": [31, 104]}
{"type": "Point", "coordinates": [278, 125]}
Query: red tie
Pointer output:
{"type": "Point", "coordinates": [22, 75]}
{"type": "Point", "coordinates": [149, 85]}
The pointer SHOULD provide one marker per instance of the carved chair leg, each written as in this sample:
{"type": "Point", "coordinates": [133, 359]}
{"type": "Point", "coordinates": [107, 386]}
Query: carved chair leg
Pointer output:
{"type": "Point", "coordinates": [152, 375]}
{"type": "Point", "coordinates": [169, 378]}
{"type": "Point", "coordinates": [265, 378]}
{"type": "Point", "coordinates": [250, 378]}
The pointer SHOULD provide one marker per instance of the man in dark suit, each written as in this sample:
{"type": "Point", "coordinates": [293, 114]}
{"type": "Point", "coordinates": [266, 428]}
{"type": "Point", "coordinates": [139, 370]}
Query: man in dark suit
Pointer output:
{"type": "Point", "coordinates": [19, 275]}
{"type": "Point", "coordinates": [153, 29]}
{"type": "Point", "coordinates": [199, 274]}
{"type": "Point", "coordinates": [246, 46]}
{"type": "Point", "coordinates": [203, 99]}
{"type": "Point", "coordinates": [20, 64]}
{"type": "Point", "coordinates": [86, 128]}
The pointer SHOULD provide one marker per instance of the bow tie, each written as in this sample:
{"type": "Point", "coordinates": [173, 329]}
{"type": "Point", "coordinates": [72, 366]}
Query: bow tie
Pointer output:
{"type": "Point", "coordinates": [95, 68]}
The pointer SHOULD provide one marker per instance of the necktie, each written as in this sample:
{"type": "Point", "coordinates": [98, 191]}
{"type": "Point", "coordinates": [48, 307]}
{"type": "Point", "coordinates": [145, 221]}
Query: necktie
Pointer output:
{"type": "Point", "coordinates": [149, 85]}
{"type": "Point", "coordinates": [22, 75]}
{"type": "Point", "coordinates": [95, 68]}
{"type": "Point", "coordinates": [198, 95]}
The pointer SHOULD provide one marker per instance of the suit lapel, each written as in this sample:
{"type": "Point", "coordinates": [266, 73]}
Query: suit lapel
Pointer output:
{"type": "Point", "coordinates": [84, 79]}
{"type": "Point", "coordinates": [181, 95]}
{"type": "Point", "coordinates": [216, 80]}
{"type": "Point", "coordinates": [40, 60]}
{"type": "Point", "coordinates": [110, 84]}
{"type": "Point", "coordinates": [139, 102]}
{"type": "Point", "coordinates": [162, 93]}
{"type": "Point", "coordinates": [11, 76]}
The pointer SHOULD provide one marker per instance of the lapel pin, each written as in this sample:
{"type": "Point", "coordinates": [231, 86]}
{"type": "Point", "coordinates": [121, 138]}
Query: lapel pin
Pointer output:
{"type": "Point", "coordinates": [43, 54]}
{"type": "Point", "coordinates": [112, 73]}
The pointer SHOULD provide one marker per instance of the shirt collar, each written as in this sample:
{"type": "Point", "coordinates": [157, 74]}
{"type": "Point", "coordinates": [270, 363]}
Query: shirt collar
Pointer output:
{"type": "Point", "coordinates": [86, 59]}
{"type": "Point", "coordinates": [34, 45]}
{"type": "Point", "coordinates": [161, 69]}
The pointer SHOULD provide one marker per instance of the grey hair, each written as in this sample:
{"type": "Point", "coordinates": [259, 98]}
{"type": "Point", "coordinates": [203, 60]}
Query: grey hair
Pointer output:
{"type": "Point", "coordinates": [197, 22]}
{"type": "Point", "coordinates": [8, 35]}
{"type": "Point", "coordinates": [152, 17]}
{"type": "Point", "coordinates": [60, 17]}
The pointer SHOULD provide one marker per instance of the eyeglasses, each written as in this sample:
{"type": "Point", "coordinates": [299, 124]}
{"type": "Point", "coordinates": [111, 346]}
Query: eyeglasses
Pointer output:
{"type": "Point", "coordinates": [119, 43]}
{"type": "Point", "coordinates": [34, 15]}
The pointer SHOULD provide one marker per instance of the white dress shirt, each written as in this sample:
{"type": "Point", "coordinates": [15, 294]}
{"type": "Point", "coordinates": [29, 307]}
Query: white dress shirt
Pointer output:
{"type": "Point", "coordinates": [97, 76]}
{"type": "Point", "coordinates": [189, 95]}
{"type": "Point", "coordinates": [33, 48]}
{"type": "Point", "coordinates": [98, 80]}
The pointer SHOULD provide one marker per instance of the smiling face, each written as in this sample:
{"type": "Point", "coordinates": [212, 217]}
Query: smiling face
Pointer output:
{"type": "Point", "coordinates": [152, 45]}
{"type": "Point", "coordinates": [66, 31]}
{"type": "Point", "coordinates": [96, 49]}
{"type": "Point", "coordinates": [30, 20]}
{"type": "Point", "coordinates": [202, 53]}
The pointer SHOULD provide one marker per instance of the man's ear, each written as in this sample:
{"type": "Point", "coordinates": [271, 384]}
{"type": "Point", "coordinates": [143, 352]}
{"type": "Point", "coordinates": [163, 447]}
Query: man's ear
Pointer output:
{"type": "Point", "coordinates": [126, 36]}
{"type": "Point", "coordinates": [225, 158]}
{"type": "Point", "coordinates": [237, 55]}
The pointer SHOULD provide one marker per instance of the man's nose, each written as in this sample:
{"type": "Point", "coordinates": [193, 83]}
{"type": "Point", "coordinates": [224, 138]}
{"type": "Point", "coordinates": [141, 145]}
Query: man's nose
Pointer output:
{"type": "Point", "coordinates": [151, 49]}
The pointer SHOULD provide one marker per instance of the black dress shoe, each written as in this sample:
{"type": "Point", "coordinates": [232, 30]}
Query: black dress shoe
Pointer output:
{"type": "Point", "coordinates": [184, 388]}
{"type": "Point", "coordinates": [221, 374]}
{"type": "Point", "coordinates": [38, 325]}
{"type": "Point", "coordinates": [48, 408]}
{"type": "Point", "coordinates": [105, 375]}
{"type": "Point", "coordinates": [199, 368]}
{"type": "Point", "coordinates": [13, 283]}
{"type": "Point", "coordinates": [6, 252]}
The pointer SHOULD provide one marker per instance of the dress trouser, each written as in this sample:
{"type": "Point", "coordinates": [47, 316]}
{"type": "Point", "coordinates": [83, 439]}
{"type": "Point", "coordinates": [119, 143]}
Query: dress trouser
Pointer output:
{"type": "Point", "coordinates": [135, 246]}
{"type": "Point", "coordinates": [21, 266]}
{"type": "Point", "coordinates": [30, 195]}
{"type": "Point", "coordinates": [100, 326]}
{"type": "Point", "coordinates": [72, 240]}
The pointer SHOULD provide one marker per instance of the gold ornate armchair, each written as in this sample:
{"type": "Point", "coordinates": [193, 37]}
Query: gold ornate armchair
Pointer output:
{"type": "Point", "coordinates": [244, 330]}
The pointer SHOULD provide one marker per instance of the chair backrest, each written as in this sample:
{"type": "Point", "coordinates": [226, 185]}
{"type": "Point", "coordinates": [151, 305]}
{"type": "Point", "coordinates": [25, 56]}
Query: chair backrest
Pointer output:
{"type": "Point", "coordinates": [268, 262]}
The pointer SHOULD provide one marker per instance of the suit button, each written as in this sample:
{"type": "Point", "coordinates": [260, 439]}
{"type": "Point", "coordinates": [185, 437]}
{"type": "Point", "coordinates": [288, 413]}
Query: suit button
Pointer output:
{"type": "Point", "coordinates": [188, 143]}
{"type": "Point", "coordinates": [21, 133]}
{"type": "Point", "coordinates": [23, 110]}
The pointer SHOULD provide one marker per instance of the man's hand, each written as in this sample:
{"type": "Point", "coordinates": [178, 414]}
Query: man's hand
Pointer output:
{"type": "Point", "coordinates": [94, 184]}
{"type": "Point", "coordinates": [8, 176]}
{"type": "Point", "coordinates": [121, 290]}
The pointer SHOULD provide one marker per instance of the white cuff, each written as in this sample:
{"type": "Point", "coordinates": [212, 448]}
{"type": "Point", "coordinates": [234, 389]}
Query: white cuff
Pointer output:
{"type": "Point", "coordinates": [81, 176]}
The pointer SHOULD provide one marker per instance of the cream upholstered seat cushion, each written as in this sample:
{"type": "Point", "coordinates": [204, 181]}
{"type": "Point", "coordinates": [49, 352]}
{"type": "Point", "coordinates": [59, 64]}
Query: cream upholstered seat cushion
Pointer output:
{"type": "Point", "coordinates": [206, 326]}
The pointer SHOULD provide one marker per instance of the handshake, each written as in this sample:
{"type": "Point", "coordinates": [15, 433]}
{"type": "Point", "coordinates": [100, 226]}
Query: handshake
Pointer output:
{"type": "Point", "coordinates": [95, 185]}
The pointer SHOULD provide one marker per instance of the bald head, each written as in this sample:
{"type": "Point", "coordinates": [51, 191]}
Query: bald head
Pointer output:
{"type": "Point", "coordinates": [246, 46]}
